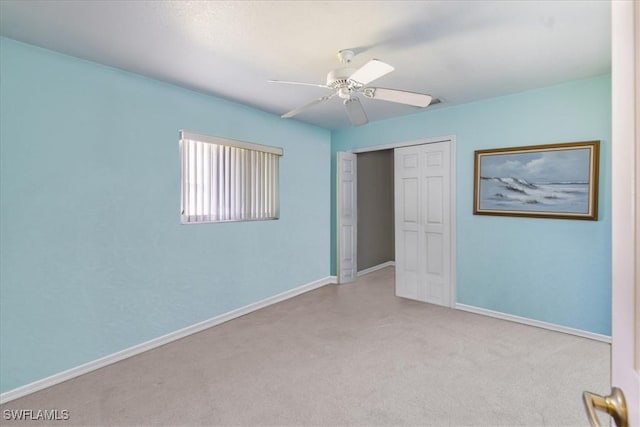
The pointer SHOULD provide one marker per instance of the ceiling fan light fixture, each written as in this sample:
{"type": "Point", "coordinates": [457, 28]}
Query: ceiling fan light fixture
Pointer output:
{"type": "Point", "coordinates": [344, 93]}
{"type": "Point", "coordinates": [355, 112]}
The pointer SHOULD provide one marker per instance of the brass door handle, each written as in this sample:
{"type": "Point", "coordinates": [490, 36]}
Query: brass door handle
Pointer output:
{"type": "Point", "coordinates": [614, 405]}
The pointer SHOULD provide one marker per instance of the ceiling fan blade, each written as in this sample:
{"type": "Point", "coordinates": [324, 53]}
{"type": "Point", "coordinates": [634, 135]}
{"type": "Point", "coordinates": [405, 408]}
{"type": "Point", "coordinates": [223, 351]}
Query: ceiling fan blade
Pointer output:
{"type": "Point", "coordinates": [298, 83]}
{"type": "Point", "coordinates": [354, 110]}
{"type": "Point", "coordinates": [310, 104]}
{"type": "Point", "coordinates": [399, 96]}
{"type": "Point", "coordinates": [370, 71]}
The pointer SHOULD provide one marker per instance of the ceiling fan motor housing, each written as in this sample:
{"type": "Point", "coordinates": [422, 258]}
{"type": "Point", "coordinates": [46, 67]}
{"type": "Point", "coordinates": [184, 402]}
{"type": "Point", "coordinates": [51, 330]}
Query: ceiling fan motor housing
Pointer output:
{"type": "Point", "coordinates": [338, 78]}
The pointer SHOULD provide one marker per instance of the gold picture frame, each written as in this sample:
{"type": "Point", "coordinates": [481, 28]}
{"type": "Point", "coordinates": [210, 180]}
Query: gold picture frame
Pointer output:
{"type": "Point", "coordinates": [540, 181]}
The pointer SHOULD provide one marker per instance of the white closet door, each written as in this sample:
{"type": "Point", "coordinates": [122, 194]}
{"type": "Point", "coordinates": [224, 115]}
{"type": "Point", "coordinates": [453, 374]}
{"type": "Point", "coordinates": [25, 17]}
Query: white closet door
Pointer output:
{"type": "Point", "coordinates": [423, 222]}
{"type": "Point", "coordinates": [347, 217]}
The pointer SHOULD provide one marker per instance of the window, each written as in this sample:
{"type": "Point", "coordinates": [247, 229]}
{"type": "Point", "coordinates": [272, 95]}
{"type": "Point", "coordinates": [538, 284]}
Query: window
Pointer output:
{"type": "Point", "coordinates": [227, 180]}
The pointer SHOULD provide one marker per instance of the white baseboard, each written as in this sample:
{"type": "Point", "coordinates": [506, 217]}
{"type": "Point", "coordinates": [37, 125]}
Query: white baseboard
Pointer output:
{"type": "Point", "coordinates": [532, 322]}
{"type": "Point", "coordinates": [157, 342]}
{"type": "Point", "coordinates": [377, 267]}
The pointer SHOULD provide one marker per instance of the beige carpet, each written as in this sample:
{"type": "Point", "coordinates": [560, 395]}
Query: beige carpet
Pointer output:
{"type": "Point", "coordinates": [343, 355]}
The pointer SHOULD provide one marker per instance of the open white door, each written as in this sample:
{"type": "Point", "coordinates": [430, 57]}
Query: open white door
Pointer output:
{"type": "Point", "coordinates": [625, 348]}
{"type": "Point", "coordinates": [346, 165]}
{"type": "Point", "coordinates": [623, 404]}
{"type": "Point", "coordinates": [423, 223]}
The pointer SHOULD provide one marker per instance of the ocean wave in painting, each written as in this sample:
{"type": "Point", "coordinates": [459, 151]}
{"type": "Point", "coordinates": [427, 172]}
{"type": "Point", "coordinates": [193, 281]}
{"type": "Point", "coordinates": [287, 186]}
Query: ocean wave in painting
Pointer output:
{"type": "Point", "coordinates": [518, 194]}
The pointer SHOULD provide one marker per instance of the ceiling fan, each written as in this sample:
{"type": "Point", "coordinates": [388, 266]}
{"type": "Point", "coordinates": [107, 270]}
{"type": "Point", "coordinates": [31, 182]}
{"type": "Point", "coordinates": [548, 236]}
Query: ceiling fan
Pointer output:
{"type": "Point", "coordinates": [347, 81]}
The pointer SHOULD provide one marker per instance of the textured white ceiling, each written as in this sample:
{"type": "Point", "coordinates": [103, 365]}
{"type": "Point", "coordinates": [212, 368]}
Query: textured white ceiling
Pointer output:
{"type": "Point", "coordinates": [458, 51]}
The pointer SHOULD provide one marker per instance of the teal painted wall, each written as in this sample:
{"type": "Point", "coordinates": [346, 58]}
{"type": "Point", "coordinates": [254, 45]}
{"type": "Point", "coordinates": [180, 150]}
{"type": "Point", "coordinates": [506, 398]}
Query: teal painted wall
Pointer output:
{"type": "Point", "coordinates": [93, 257]}
{"type": "Point", "coordinates": [556, 271]}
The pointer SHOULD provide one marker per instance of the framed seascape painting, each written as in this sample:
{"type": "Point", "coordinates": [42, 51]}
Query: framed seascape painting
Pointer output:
{"type": "Point", "coordinates": [543, 181]}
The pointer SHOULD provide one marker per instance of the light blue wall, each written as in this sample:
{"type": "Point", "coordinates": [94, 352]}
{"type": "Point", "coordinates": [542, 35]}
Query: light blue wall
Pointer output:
{"type": "Point", "coordinates": [93, 257]}
{"type": "Point", "coordinates": [556, 271]}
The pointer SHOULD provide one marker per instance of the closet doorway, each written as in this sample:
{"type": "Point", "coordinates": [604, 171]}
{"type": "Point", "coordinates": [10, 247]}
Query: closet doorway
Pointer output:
{"type": "Point", "coordinates": [396, 206]}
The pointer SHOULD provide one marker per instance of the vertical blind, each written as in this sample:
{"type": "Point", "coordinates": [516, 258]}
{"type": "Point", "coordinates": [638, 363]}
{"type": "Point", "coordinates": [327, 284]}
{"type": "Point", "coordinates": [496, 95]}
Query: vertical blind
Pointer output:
{"type": "Point", "coordinates": [227, 180]}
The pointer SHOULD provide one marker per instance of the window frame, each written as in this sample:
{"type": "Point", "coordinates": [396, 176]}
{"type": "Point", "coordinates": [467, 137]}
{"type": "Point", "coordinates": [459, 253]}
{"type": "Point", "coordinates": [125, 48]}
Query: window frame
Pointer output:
{"type": "Point", "coordinates": [241, 182]}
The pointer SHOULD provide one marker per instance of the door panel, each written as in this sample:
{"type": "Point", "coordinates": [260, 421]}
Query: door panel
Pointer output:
{"type": "Point", "coordinates": [347, 243]}
{"type": "Point", "coordinates": [410, 272]}
{"type": "Point", "coordinates": [625, 220]}
{"type": "Point", "coordinates": [434, 201]}
{"type": "Point", "coordinates": [411, 251]}
{"type": "Point", "coordinates": [625, 200]}
{"type": "Point", "coordinates": [347, 198]}
{"type": "Point", "coordinates": [410, 200]}
{"type": "Point", "coordinates": [347, 217]}
{"type": "Point", "coordinates": [423, 222]}
{"type": "Point", "coordinates": [434, 254]}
